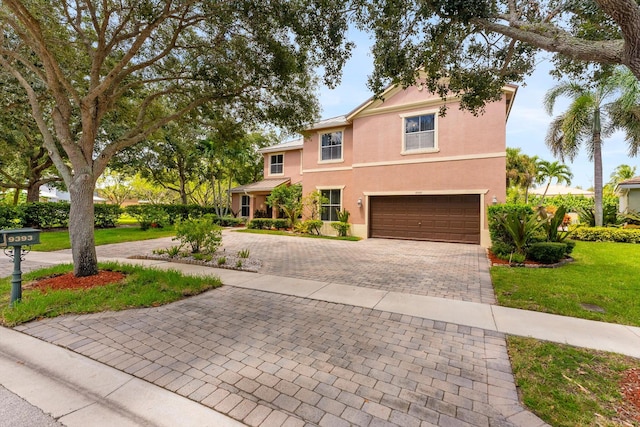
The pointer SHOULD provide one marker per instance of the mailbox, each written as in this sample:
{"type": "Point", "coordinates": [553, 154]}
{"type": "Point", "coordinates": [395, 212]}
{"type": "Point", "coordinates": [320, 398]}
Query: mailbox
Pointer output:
{"type": "Point", "coordinates": [20, 237]}
{"type": "Point", "coordinates": [14, 241]}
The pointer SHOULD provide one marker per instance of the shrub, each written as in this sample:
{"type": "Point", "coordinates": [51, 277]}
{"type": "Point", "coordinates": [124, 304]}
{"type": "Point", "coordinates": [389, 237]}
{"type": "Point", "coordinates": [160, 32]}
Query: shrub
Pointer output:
{"type": "Point", "coordinates": [310, 226]}
{"type": "Point", "coordinates": [229, 221]}
{"type": "Point", "coordinates": [341, 227]}
{"type": "Point", "coordinates": [280, 224]}
{"type": "Point", "coordinates": [222, 260]}
{"type": "Point", "coordinates": [260, 224]}
{"type": "Point", "coordinates": [201, 234]}
{"type": "Point", "coordinates": [521, 227]}
{"type": "Point", "coordinates": [10, 216]}
{"type": "Point", "coordinates": [607, 234]}
{"type": "Point", "coordinates": [46, 214]}
{"type": "Point", "coordinates": [106, 216]}
{"type": "Point", "coordinates": [501, 249]}
{"type": "Point", "coordinates": [498, 232]}
{"type": "Point", "coordinates": [244, 253]}
{"type": "Point", "coordinates": [571, 244]}
{"type": "Point", "coordinates": [547, 252]}
{"type": "Point", "coordinates": [149, 215]}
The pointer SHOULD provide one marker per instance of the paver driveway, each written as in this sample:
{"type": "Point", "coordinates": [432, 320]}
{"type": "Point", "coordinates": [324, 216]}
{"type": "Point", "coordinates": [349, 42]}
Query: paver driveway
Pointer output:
{"type": "Point", "coordinates": [269, 359]}
{"type": "Point", "coordinates": [444, 270]}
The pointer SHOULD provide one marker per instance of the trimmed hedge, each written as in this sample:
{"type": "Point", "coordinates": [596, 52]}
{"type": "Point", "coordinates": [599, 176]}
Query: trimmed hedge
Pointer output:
{"type": "Point", "coordinates": [547, 252]}
{"type": "Point", "coordinates": [106, 216]}
{"type": "Point", "coordinates": [45, 214]}
{"type": "Point", "coordinates": [174, 213]}
{"type": "Point", "coordinates": [10, 216]}
{"type": "Point", "coordinates": [606, 234]}
{"type": "Point", "coordinates": [268, 224]}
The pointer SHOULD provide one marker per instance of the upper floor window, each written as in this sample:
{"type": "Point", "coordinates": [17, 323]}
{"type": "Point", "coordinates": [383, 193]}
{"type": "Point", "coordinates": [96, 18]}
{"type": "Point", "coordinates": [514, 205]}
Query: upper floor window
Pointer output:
{"type": "Point", "coordinates": [419, 132]}
{"type": "Point", "coordinates": [331, 146]}
{"type": "Point", "coordinates": [276, 164]}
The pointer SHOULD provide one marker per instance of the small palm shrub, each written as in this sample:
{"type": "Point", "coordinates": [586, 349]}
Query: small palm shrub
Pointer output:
{"type": "Point", "coordinates": [201, 234]}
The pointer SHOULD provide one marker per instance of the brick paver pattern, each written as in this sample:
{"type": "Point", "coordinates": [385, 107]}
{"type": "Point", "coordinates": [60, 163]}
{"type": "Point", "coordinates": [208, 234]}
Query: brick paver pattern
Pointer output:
{"type": "Point", "coordinates": [443, 270]}
{"type": "Point", "coordinates": [273, 360]}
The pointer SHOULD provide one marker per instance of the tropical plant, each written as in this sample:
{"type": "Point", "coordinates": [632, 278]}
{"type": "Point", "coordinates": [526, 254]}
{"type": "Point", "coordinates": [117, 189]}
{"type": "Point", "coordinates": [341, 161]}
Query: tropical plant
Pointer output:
{"type": "Point", "coordinates": [521, 226]}
{"type": "Point", "coordinates": [548, 171]}
{"type": "Point", "coordinates": [522, 170]}
{"type": "Point", "coordinates": [553, 225]}
{"type": "Point", "coordinates": [287, 198]}
{"type": "Point", "coordinates": [342, 226]}
{"type": "Point", "coordinates": [594, 112]}
{"type": "Point", "coordinates": [619, 174]}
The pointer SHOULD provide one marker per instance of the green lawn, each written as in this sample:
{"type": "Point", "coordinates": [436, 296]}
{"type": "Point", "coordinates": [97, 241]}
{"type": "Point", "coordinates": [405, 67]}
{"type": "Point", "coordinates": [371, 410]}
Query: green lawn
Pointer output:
{"type": "Point", "coordinates": [604, 274]}
{"type": "Point", "coordinates": [56, 240]}
{"type": "Point", "coordinates": [567, 386]}
{"type": "Point", "coordinates": [142, 287]}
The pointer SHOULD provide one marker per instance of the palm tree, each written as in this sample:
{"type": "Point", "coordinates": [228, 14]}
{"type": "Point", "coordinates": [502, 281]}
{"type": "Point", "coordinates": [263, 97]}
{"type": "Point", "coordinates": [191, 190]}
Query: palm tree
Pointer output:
{"type": "Point", "coordinates": [621, 173]}
{"type": "Point", "coordinates": [521, 170]}
{"type": "Point", "coordinates": [594, 113]}
{"type": "Point", "coordinates": [550, 171]}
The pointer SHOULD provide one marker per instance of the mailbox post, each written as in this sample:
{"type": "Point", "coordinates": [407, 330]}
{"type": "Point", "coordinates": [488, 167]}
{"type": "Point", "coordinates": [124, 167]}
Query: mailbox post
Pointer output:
{"type": "Point", "coordinates": [14, 242]}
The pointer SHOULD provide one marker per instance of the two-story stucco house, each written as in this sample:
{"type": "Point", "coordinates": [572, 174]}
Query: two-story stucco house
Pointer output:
{"type": "Point", "coordinates": [399, 168]}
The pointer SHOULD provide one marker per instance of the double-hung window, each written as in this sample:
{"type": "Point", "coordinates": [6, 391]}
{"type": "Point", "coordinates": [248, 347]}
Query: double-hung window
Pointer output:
{"type": "Point", "coordinates": [245, 206]}
{"type": "Point", "coordinates": [419, 133]}
{"type": "Point", "coordinates": [331, 146]}
{"type": "Point", "coordinates": [330, 204]}
{"type": "Point", "coordinates": [276, 164]}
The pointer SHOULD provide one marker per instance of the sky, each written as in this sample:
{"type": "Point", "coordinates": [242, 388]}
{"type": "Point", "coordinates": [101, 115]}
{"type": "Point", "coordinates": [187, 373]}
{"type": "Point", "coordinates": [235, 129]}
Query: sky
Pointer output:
{"type": "Point", "coordinates": [526, 127]}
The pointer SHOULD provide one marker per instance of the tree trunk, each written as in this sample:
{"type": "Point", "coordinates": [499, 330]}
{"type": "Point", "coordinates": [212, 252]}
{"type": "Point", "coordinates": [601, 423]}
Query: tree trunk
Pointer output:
{"type": "Point", "coordinates": [33, 193]}
{"type": "Point", "coordinates": [597, 178]}
{"type": "Point", "coordinates": [81, 222]}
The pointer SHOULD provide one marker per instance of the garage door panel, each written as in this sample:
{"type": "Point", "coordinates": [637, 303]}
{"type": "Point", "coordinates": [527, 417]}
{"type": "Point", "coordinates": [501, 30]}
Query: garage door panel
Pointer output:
{"type": "Point", "coordinates": [439, 218]}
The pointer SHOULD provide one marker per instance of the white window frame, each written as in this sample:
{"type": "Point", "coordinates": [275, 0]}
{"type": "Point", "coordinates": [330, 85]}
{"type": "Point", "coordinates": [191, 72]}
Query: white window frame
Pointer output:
{"type": "Point", "coordinates": [327, 131]}
{"type": "Point", "coordinates": [271, 164]}
{"type": "Point", "coordinates": [406, 116]}
{"type": "Point", "coordinates": [242, 205]}
{"type": "Point", "coordinates": [339, 188]}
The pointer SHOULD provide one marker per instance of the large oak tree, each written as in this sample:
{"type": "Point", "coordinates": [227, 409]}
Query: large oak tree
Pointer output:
{"type": "Point", "coordinates": [472, 48]}
{"type": "Point", "coordinates": [110, 68]}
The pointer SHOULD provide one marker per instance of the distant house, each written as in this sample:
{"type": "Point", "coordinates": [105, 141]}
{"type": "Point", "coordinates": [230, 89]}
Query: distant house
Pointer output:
{"type": "Point", "coordinates": [52, 194]}
{"type": "Point", "coordinates": [401, 170]}
{"type": "Point", "coordinates": [628, 192]}
{"type": "Point", "coordinates": [561, 190]}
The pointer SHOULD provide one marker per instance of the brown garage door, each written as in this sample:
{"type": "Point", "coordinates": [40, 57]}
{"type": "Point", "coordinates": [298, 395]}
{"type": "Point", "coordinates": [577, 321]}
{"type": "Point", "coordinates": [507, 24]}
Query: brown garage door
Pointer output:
{"type": "Point", "coordinates": [453, 218]}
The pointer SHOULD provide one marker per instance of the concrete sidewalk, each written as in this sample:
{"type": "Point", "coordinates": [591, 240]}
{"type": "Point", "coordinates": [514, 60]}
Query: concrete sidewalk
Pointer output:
{"type": "Point", "coordinates": [80, 391]}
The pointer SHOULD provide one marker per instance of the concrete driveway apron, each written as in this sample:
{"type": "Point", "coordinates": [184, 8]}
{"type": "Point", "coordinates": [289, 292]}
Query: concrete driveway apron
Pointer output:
{"type": "Point", "coordinates": [268, 359]}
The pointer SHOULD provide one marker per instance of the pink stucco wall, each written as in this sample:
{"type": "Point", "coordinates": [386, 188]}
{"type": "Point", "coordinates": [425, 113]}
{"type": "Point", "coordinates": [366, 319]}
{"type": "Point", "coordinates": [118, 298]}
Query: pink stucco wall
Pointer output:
{"type": "Point", "coordinates": [292, 160]}
{"type": "Point", "coordinates": [470, 155]}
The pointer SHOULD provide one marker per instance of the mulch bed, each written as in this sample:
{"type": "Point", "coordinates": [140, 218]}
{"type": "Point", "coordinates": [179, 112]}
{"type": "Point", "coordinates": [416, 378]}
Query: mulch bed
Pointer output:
{"type": "Point", "coordinates": [630, 388]}
{"type": "Point", "coordinates": [528, 263]}
{"type": "Point", "coordinates": [69, 281]}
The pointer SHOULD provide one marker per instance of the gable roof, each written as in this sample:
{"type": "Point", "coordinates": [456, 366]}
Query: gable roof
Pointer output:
{"type": "Point", "coordinates": [630, 181]}
{"type": "Point", "coordinates": [509, 90]}
{"type": "Point", "coordinates": [295, 144]}
{"type": "Point", "coordinates": [627, 184]}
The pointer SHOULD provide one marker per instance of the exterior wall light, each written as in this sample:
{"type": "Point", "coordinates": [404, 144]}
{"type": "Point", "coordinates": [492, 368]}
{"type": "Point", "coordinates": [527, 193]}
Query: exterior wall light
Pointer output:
{"type": "Point", "coordinates": [360, 202]}
{"type": "Point", "coordinates": [494, 200]}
